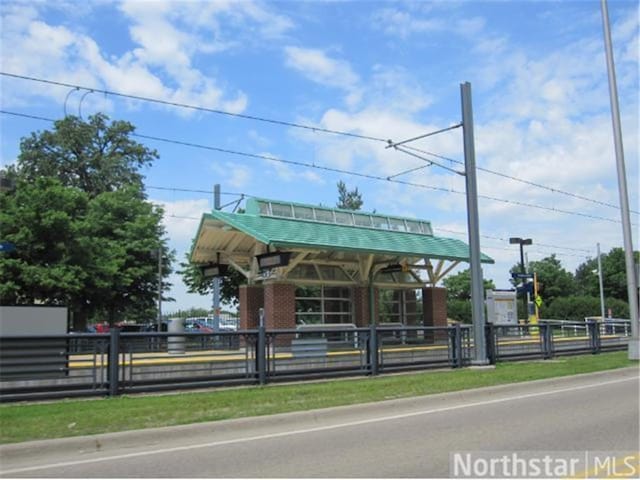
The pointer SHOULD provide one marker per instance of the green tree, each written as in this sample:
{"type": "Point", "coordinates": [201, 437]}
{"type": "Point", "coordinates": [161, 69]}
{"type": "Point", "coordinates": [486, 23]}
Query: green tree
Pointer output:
{"type": "Point", "coordinates": [85, 235]}
{"type": "Point", "coordinates": [614, 275]}
{"type": "Point", "coordinates": [348, 199]}
{"type": "Point", "coordinates": [95, 156]}
{"type": "Point", "coordinates": [554, 280]}
{"type": "Point", "coordinates": [576, 308]}
{"type": "Point", "coordinates": [43, 220]}
{"type": "Point", "coordinates": [459, 295]}
{"type": "Point", "coordinates": [197, 283]}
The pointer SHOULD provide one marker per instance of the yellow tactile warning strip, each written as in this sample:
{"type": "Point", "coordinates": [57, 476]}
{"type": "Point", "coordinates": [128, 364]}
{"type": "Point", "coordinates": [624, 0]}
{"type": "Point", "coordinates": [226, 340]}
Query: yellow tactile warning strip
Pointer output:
{"type": "Point", "coordinates": [163, 358]}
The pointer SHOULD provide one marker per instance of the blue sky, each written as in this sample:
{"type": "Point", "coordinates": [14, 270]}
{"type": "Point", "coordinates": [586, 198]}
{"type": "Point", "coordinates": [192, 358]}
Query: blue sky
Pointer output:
{"type": "Point", "coordinates": [389, 70]}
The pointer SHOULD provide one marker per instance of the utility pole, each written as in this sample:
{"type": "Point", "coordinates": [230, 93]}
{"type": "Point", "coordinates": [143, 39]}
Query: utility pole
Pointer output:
{"type": "Point", "coordinates": [600, 282]}
{"type": "Point", "coordinates": [159, 288]}
{"type": "Point", "coordinates": [632, 288]}
{"type": "Point", "coordinates": [477, 295]}
{"type": "Point", "coordinates": [217, 280]}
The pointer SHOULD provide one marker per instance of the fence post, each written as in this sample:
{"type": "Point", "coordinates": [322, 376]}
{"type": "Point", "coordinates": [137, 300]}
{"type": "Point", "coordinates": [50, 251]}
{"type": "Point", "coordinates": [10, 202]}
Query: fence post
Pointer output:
{"type": "Point", "coordinates": [113, 376]}
{"type": "Point", "coordinates": [546, 334]}
{"type": "Point", "coordinates": [458, 344]}
{"type": "Point", "coordinates": [373, 350]}
{"type": "Point", "coordinates": [594, 336]}
{"type": "Point", "coordinates": [490, 334]}
{"type": "Point", "coordinates": [261, 355]}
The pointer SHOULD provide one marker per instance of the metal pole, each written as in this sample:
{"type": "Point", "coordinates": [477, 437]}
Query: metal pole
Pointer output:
{"type": "Point", "coordinates": [525, 293]}
{"type": "Point", "coordinates": [159, 288]}
{"type": "Point", "coordinates": [477, 307]}
{"type": "Point", "coordinates": [601, 285]}
{"type": "Point", "coordinates": [217, 280]}
{"type": "Point", "coordinates": [632, 289]}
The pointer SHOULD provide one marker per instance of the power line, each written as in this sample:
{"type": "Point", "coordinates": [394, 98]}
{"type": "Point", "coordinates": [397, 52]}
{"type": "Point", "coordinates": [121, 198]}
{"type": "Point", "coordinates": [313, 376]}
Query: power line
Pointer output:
{"type": "Point", "coordinates": [195, 107]}
{"type": "Point", "coordinates": [343, 172]}
{"type": "Point", "coordinates": [516, 179]}
{"type": "Point", "coordinates": [492, 237]}
{"type": "Point", "coordinates": [314, 129]}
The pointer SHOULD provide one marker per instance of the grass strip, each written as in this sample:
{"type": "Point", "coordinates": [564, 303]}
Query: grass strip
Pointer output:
{"type": "Point", "coordinates": [23, 422]}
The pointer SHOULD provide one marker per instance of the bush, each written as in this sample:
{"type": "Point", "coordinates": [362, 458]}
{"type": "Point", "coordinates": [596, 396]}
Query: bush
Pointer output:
{"type": "Point", "coordinates": [579, 307]}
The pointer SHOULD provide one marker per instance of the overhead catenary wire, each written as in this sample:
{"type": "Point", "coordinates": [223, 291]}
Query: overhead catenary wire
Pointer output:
{"type": "Point", "coordinates": [516, 179]}
{"type": "Point", "coordinates": [196, 107]}
{"type": "Point", "coordinates": [342, 171]}
{"type": "Point", "coordinates": [311, 128]}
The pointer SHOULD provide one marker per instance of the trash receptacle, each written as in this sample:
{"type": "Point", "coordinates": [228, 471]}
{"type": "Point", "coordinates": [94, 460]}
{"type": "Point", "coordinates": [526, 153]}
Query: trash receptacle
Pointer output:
{"type": "Point", "coordinates": [176, 344]}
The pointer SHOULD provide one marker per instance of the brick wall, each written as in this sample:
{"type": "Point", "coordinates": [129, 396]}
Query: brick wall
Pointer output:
{"type": "Point", "coordinates": [434, 307]}
{"type": "Point", "coordinates": [280, 305]}
{"type": "Point", "coordinates": [251, 300]}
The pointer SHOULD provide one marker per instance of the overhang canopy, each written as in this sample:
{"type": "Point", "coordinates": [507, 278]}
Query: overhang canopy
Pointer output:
{"type": "Point", "coordinates": [355, 241]}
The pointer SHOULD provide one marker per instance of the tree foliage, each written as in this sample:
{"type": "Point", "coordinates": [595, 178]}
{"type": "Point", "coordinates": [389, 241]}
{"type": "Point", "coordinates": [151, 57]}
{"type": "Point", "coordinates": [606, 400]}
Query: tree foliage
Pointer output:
{"type": "Point", "coordinates": [576, 308]}
{"type": "Point", "coordinates": [94, 156]}
{"type": "Point", "coordinates": [459, 295]}
{"type": "Point", "coordinates": [85, 236]}
{"type": "Point", "coordinates": [348, 199]}
{"type": "Point", "coordinates": [196, 282]}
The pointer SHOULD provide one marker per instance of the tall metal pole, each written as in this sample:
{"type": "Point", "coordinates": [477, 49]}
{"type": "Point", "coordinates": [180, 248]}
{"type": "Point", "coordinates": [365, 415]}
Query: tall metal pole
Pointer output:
{"type": "Point", "coordinates": [159, 289]}
{"type": "Point", "coordinates": [477, 296]}
{"type": "Point", "coordinates": [632, 289]}
{"type": "Point", "coordinates": [601, 284]}
{"type": "Point", "coordinates": [525, 294]}
{"type": "Point", "coordinates": [216, 281]}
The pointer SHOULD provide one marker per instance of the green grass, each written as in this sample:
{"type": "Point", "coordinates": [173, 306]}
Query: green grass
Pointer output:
{"type": "Point", "coordinates": [22, 422]}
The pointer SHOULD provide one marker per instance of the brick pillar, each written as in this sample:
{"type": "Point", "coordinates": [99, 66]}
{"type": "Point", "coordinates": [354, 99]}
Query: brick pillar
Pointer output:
{"type": "Point", "coordinates": [434, 307]}
{"type": "Point", "coordinates": [251, 301]}
{"type": "Point", "coordinates": [280, 305]}
{"type": "Point", "coordinates": [361, 306]}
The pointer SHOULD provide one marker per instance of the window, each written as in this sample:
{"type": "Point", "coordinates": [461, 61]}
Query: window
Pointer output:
{"type": "Point", "coordinates": [324, 215]}
{"type": "Point", "coordinates": [400, 306]}
{"type": "Point", "coordinates": [396, 224]}
{"type": "Point", "coordinates": [362, 220]}
{"type": "Point", "coordinates": [320, 305]}
{"type": "Point", "coordinates": [344, 218]}
{"type": "Point", "coordinates": [304, 213]}
{"type": "Point", "coordinates": [281, 210]}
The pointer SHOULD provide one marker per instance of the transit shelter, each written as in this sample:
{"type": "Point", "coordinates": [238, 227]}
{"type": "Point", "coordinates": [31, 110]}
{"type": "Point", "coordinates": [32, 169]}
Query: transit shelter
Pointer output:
{"type": "Point", "coordinates": [314, 265]}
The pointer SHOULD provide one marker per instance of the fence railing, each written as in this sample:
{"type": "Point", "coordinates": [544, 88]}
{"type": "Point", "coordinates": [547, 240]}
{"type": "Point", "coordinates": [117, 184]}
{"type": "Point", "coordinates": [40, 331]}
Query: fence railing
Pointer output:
{"type": "Point", "coordinates": [115, 363]}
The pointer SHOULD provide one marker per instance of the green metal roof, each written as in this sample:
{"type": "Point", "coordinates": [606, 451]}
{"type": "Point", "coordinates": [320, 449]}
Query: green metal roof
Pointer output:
{"type": "Point", "coordinates": [291, 233]}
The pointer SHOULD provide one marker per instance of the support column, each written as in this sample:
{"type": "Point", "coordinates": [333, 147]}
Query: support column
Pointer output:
{"type": "Point", "coordinates": [362, 313]}
{"type": "Point", "coordinates": [251, 301]}
{"type": "Point", "coordinates": [434, 309]}
{"type": "Point", "coordinates": [280, 305]}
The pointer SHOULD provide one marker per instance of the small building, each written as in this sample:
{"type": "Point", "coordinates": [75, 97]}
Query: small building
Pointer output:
{"type": "Point", "coordinates": [344, 267]}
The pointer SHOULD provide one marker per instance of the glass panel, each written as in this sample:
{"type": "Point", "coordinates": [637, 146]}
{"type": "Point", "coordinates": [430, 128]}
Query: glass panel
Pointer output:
{"type": "Point", "coordinates": [337, 292]}
{"type": "Point", "coordinates": [304, 213]}
{"type": "Point", "coordinates": [337, 306]}
{"type": "Point", "coordinates": [281, 210]}
{"type": "Point", "coordinates": [396, 224]}
{"type": "Point", "coordinates": [264, 208]}
{"type": "Point", "coordinates": [344, 218]}
{"type": "Point", "coordinates": [309, 292]}
{"type": "Point", "coordinates": [380, 222]}
{"type": "Point", "coordinates": [305, 305]}
{"type": "Point", "coordinates": [332, 273]}
{"type": "Point", "coordinates": [308, 318]}
{"type": "Point", "coordinates": [338, 318]}
{"type": "Point", "coordinates": [304, 272]}
{"type": "Point", "coordinates": [362, 220]}
{"type": "Point", "coordinates": [414, 227]}
{"type": "Point", "coordinates": [324, 215]}
{"type": "Point", "coordinates": [426, 228]}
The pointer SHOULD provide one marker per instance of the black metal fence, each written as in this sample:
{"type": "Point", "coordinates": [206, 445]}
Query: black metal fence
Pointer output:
{"type": "Point", "coordinates": [115, 363]}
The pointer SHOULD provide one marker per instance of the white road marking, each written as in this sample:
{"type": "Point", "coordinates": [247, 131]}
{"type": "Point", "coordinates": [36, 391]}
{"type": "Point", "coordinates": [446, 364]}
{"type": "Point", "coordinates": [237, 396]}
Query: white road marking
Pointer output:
{"type": "Point", "coordinates": [314, 429]}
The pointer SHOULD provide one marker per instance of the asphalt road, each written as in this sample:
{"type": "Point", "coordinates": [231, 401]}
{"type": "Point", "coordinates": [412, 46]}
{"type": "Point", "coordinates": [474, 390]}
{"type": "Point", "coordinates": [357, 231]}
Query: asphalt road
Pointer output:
{"type": "Point", "coordinates": [398, 438]}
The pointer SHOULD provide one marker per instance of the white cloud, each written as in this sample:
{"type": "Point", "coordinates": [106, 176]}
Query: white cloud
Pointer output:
{"type": "Point", "coordinates": [319, 67]}
{"type": "Point", "coordinates": [181, 219]}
